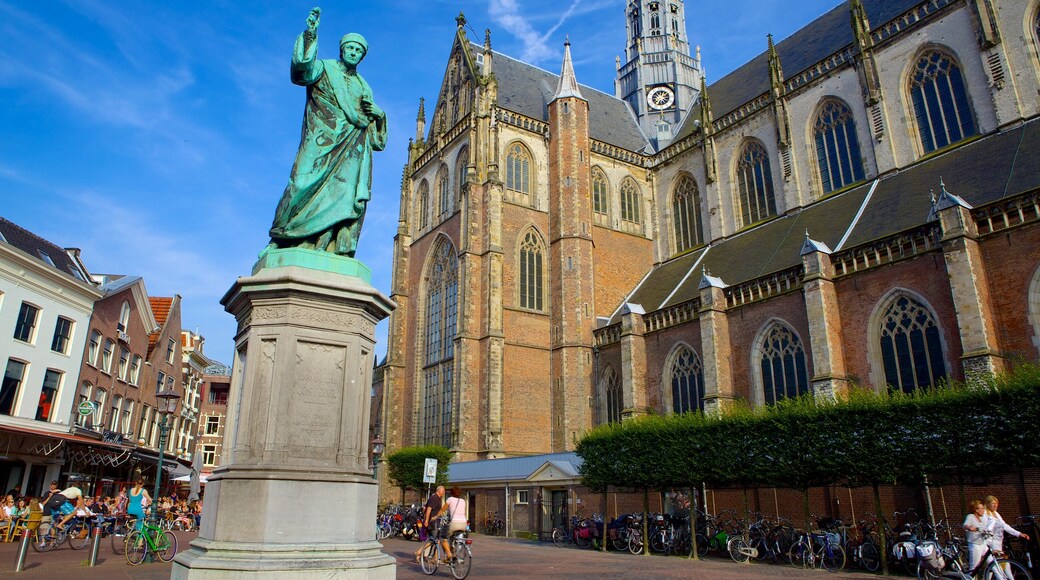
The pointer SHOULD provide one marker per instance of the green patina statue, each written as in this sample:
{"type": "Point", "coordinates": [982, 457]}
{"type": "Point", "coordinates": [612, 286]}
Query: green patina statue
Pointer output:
{"type": "Point", "coordinates": [324, 204]}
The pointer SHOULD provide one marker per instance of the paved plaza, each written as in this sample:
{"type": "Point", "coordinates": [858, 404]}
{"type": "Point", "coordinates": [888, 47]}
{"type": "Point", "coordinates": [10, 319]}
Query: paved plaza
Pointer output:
{"type": "Point", "coordinates": [493, 558]}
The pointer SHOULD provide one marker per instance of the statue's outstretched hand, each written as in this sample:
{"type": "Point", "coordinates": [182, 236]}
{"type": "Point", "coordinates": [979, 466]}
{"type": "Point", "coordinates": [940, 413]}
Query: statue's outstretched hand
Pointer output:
{"type": "Point", "coordinates": [313, 19]}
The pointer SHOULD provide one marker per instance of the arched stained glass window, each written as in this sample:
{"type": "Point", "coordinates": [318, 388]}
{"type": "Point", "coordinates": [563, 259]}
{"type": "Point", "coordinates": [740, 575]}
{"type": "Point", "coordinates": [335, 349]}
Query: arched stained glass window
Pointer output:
{"type": "Point", "coordinates": [423, 207]}
{"type": "Point", "coordinates": [837, 149]}
{"type": "Point", "coordinates": [518, 169]}
{"type": "Point", "coordinates": [630, 201]}
{"type": "Point", "coordinates": [600, 189]}
{"type": "Point", "coordinates": [910, 345]}
{"type": "Point", "coordinates": [687, 382]}
{"type": "Point", "coordinates": [439, 364]}
{"type": "Point", "coordinates": [686, 211]}
{"type": "Point", "coordinates": [532, 253]}
{"type": "Point", "coordinates": [940, 101]}
{"type": "Point", "coordinates": [612, 395]}
{"type": "Point", "coordinates": [755, 184]}
{"type": "Point", "coordinates": [782, 362]}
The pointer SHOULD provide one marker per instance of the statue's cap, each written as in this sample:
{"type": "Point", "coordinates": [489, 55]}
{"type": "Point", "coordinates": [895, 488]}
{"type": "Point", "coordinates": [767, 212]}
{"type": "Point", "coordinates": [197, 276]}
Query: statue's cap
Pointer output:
{"type": "Point", "coordinates": [354, 37]}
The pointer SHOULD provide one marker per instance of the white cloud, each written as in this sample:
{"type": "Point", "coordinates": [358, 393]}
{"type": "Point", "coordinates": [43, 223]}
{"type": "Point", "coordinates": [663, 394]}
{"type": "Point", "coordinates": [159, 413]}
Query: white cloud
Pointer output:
{"type": "Point", "coordinates": [507, 14]}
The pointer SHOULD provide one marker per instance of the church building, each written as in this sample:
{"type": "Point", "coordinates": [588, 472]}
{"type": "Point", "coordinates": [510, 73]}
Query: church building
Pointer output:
{"type": "Point", "coordinates": [858, 205]}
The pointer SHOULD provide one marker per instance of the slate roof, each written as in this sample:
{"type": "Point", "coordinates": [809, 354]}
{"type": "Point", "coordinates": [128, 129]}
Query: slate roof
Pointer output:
{"type": "Point", "coordinates": [981, 172]}
{"type": "Point", "coordinates": [528, 90]}
{"type": "Point", "coordinates": [806, 47]}
{"type": "Point", "coordinates": [511, 468]}
{"type": "Point", "coordinates": [37, 247]}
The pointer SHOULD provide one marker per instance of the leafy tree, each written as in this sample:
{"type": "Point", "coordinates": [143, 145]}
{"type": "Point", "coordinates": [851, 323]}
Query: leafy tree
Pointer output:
{"type": "Point", "coordinates": [405, 466]}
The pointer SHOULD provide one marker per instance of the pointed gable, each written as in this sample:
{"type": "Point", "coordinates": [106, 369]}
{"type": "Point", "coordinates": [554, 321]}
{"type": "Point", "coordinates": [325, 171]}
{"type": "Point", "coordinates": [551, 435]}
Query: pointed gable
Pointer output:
{"type": "Point", "coordinates": [161, 309]}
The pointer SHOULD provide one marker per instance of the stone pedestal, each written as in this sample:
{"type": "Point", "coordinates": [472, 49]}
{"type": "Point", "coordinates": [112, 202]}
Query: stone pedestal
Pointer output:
{"type": "Point", "coordinates": [294, 496]}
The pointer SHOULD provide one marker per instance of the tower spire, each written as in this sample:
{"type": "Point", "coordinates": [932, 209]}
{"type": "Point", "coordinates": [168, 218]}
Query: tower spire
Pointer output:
{"type": "Point", "coordinates": [568, 86]}
{"type": "Point", "coordinates": [420, 121]}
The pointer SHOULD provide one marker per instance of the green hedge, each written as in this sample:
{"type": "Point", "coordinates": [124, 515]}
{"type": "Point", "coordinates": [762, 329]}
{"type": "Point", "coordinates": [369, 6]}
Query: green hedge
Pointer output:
{"type": "Point", "coordinates": [405, 466]}
{"type": "Point", "coordinates": [864, 438]}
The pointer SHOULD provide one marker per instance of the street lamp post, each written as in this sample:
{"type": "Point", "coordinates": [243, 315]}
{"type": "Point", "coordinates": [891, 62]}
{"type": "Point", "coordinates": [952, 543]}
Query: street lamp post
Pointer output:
{"type": "Point", "coordinates": [167, 401]}
{"type": "Point", "coordinates": [377, 450]}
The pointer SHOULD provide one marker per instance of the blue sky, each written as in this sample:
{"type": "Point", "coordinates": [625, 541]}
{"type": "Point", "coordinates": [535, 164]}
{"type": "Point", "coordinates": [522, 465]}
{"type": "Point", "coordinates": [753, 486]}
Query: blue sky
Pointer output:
{"type": "Point", "coordinates": [158, 136]}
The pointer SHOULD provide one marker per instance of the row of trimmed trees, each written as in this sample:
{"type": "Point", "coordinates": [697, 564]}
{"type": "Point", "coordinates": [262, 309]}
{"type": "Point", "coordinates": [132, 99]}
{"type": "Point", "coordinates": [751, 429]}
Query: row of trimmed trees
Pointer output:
{"type": "Point", "coordinates": [863, 438]}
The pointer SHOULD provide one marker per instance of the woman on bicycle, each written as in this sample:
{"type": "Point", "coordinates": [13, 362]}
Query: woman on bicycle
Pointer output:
{"type": "Point", "coordinates": [979, 527]}
{"type": "Point", "coordinates": [457, 510]}
{"type": "Point", "coordinates": [136, 504]}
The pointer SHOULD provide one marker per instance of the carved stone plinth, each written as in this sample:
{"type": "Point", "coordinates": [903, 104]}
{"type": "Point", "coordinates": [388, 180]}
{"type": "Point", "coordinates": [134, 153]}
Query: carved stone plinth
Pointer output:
{"type": "Point", "coordinates": [294, 496]}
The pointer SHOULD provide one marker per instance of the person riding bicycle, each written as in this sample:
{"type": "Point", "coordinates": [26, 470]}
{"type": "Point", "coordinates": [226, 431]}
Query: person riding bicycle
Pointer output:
{"type": "Point", "coordinates": [61, 503]}
{"type": "Point", "coordinates": [431, 512]}
{"type": "Point", "coordinates": [979, 527]}
{"type": "Point", "coordinates": [137, 502]}
{"type": "Point", "coordinates": [456, 507]}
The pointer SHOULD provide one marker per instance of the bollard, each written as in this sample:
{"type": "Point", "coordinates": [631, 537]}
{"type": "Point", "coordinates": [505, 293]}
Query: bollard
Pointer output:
{"type": "Point", "coordinates": [23, 550]}
{"type": "Point", "coordinates": [96, 546]}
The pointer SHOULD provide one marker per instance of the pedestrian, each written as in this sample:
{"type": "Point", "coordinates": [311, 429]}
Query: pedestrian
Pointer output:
{"type": "Point", "coordinates": [996, 543]}
{"type": "Point", "coordinates": [979, 527]}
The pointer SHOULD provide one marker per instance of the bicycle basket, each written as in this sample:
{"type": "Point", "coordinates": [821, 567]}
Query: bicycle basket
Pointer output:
{"type": "Point", "coordinates": [930, 556]}
{"type": "Point", "coordinates": [584, 533]}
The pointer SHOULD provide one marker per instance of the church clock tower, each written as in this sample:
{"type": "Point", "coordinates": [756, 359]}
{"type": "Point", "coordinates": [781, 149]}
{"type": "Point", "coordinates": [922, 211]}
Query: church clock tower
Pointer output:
{"type": "Point", "coordinates": [659, 79]}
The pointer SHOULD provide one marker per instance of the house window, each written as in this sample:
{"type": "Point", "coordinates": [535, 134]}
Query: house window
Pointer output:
{"type": "Point", "coordinates": [48, 394]}
{"type": "Point", "coordinates": [100, 396]}
{"type": "Point", "coordinates": [532, 253]}
{"type": "Point", "coordinates": [93, 348]}
{"type": "Point", "coordinates": [630, 201]}
{"type": "Point", "coordinates": [782, 362]}
{"type": "Point", "coordinates": [128, 413]}
{"type": "Point", "coordinates": [686, 210]}
{"type": "Point", "coordinates": [115, 416]}
{"type": "Point", "coordinates": [940, 101]}
{"type": "Point", "coordinates": [600, 208]}
{"type": "Point", "coordinates": [687, 382]}
{"type": "Point", "coordinates": [62, 335]}
{"type": "Point", "coordinates": [209, 454]}
{"type": "Point", "coordinates": [171, 347]}
{"type": "Point", "coordinates": [143, 430]}
{"type": "Point", "coordinates": [755, 184]}
{"type": "Point", "coordinates": [612, 394]}
{"type": "Point", "coordinates": [26, 324]}
{"type": "Point", "coordinates": [212, 425]}
{"type": "Point", "coordinates": [218, 397]}
{"type": "Point", "coordinates": [106, 355]}
{"type": "Point", "coordinates": [13, 377]}
{"type": "Point", "coordinates": [911, 348]}
{"type": "Point", "coordinates": [424, 205]}
{"type": "Point", "coordinates": [443, 194]}
{"type": "Point", "coordinates": [521, 496]}
{"type": "Point", "coordinates": [518, 170]}
{"type": "Point", "coordinates": [837, 149]}
{"type": "Point", "coordinates": [124, 363]}
{"type": "Point", "coordinates": [135, 369]}
{"type": "Point", "coordinates": [438, 374]}
{"type": "Point", "coordinates": [124, 316]}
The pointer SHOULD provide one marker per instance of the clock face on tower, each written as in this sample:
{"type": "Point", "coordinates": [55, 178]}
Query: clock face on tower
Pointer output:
{"type": "Point", "coordinates": [660, 98]}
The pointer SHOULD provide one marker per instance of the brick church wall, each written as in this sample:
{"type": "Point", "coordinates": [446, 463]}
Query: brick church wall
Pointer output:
{"type": "Point", "coordinates": [1010, 272]}
{"type": "Point", "coordinates": [746, 322]}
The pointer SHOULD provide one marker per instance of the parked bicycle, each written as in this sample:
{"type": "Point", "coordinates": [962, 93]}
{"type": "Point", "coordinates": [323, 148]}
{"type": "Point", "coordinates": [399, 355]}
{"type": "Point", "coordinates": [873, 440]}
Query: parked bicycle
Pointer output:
{"type": "Point", "coordinates": [492, 524]}
{"type": "Point", "coordinates": [150, 538]}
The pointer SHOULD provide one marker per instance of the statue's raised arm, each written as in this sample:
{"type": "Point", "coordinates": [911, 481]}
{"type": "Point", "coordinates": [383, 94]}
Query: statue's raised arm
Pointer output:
{"type": "Point", "coordinates": [324, 204]}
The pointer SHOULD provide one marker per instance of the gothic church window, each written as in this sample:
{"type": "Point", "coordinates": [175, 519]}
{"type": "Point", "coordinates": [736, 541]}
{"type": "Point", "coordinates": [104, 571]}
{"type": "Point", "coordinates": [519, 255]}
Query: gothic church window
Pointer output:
{"type": "Point", "coordinates": [940, 101]}
{"type": "Point", "coordinates": [439, 364]}
{"type": "Point", "coordinates": [518, 172]}
{"type": "Point", "coordinates": [424, 205]}
{"type": "Point", "coordinates": [837, 149]}
{"type": "Point", "coordinates": [532, 253]}
{"type": "Point", "coordinates": [612, 395]}
{"type": "Point", "coordinates": [687, 382]}
{"type": "Point", "coordinates": [911, 349]}
{"type": "Point", "coordinates": [755, 184]}
{"type": "Point", "coordinates": [600, 187]}
{"type": "Point", "coordinates": [443, 194]}
{"type": "Point", "coordinates": [631, 199]}
{"type": "Point", "coordinates": [686, 208]}
{"type": "Point", "coordinates": [781, 360]}
{"type": "Point", "coordinates": [655, 20]}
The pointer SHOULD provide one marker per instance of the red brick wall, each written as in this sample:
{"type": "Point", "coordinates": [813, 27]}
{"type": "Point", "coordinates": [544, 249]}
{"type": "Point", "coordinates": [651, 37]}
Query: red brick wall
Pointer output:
{"type": "Point", "coordinates": [1010, 272]}
{"type": "Point", "coordinates": [621, 262]}
{"type": "Point", "coordinates": [746, 322]}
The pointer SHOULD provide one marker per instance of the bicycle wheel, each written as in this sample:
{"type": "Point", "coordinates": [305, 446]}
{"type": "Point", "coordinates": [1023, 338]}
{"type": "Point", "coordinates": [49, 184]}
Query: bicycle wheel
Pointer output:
{"type": "Point", "coordinates": [42, 539]}
{"type": "Point", "coordinates": [832, 558]}
{"type": "Point", "coordinates": [702, 545]}
{"type": "Point", "coordinates": [659, 542]}
{"type": "Point", "coordinates": [739, 549]}
{"type": "Point", "coordinates": [619, 541]}
{"type": "Point", "coordinates": [135, 548]}
{"type": "Point", "coordinates": [1008, 569]}
{"type": "Point", "coordinates": [800, 556]}
{"type": "Point", "coordinates": [583, 543]}
{"type": "Point", "coordinates": [428, 557]}
{"type": "Point", "coordinates": [79, 535]}
{"type": "Point", "coordinates": [462, 561]}
{"type": "Point", "coordinates": [166, 546]}
{"type": "Point", "coordinates": [635, 542]}
{"type": "Point", "coordinates": [925, 573]}
{"type": "Point", "coordinates": [559, 537]}
{"type": "Point", "coordinates": [118, 538]}
{"type": "Point", "coordinates": [869, 557]}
